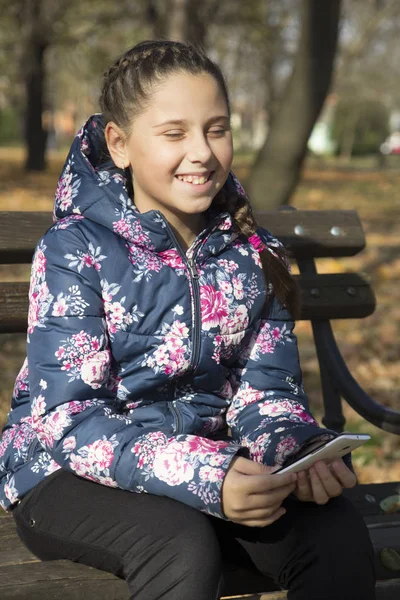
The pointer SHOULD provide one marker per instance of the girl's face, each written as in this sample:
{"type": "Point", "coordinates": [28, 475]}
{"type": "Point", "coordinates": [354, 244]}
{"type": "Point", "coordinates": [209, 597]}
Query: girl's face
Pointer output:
{"type": "Point", "coordinates": [180, 147]}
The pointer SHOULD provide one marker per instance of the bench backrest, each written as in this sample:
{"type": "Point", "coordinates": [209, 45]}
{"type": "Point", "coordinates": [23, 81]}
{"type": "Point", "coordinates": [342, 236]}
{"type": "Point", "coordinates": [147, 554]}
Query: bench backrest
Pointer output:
{"type": "Point", "coordinates": [306, 234]}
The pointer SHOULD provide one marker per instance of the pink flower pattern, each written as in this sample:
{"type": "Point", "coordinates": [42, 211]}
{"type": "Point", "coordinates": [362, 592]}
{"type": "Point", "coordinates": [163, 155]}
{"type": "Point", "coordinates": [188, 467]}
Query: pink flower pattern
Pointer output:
{"type": "Point", "coordinates": [80, 356]}
{"type": "Point", "coordinates": [295, 410]}
{"type": "Point", "coordinates": [115, 346]}
{"type": "Point", "coordinates": [92, 461]}
{"type": "Point", "coordinates": [40, 298]}
{"type": "Point", "coordinates": [266, 340]}
{"type": "Point", "coordinates": [214, 306]}
{"type": "Point", "coordinates": [117, 317]}
{"type": "Point", "coordinates": [67, 188]}
{"type": "Point", "coordinates": [22, 381]}
{"type": "Point", "coordinates": [174, 462]}
{"type": "Point", "coordinates": [285, 448]}
{"type": "Point", "coordinates": [172, 259]}
{"type": "Point", "coordinates": [172, 356]}
{"type": "Point", "coordinates": [91, 258]}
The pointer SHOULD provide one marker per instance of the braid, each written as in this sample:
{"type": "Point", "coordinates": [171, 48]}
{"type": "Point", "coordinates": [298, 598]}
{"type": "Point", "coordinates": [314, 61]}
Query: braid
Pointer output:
{"type": "Point", "coordinates": [273, 263]}
{"type": "Point", "coordinates": [128, 82]}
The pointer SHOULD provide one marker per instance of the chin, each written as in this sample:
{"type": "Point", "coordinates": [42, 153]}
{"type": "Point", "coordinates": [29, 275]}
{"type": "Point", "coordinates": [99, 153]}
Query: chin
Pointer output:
{"type": "Point", "coordinates": [196, 206]}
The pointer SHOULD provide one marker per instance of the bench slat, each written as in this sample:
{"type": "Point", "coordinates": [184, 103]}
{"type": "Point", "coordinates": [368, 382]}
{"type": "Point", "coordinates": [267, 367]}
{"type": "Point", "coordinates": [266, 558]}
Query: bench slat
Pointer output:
{"type": "Point", "coordinates": [331, 296]}
{"type": "Point", "coordinates": [315, 233]}
{"type": "Point", "coordinates": [19, 234]}
{"type": "Point", "coordinates": [335, 296]}
{"type": "Point", "coordinates": [12, 551]}
{"type": "Point", "coordinates": [306, 233]}
{"type": "Point", "coordinates": [13, 307]}
{"type": "Point", "coordinates": [56, 580]}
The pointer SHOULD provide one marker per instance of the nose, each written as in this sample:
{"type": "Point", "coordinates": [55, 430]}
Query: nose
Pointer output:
{"type": "Point", "coordinates": [198, 149]}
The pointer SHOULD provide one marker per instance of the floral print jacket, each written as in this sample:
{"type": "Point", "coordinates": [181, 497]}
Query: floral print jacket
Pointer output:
{"type": "Point", "coordinates": [141, 357]}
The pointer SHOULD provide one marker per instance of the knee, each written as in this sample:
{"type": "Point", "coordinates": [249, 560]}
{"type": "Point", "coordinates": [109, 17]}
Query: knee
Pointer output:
{"type": "Point", "coordinates": [344, 522]}
{"type": "Point", "coordinates": [342, 536]}
{"type": "Point", "coordinates": [198, 546]}
{"type": "Point", "coordinates": [181, 555]}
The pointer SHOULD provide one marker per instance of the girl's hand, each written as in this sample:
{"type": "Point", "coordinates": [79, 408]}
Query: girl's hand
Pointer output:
{"type": "Point", "coordinates": [252, 495]}
{"type": "Point", "coordinates": [322, 482]}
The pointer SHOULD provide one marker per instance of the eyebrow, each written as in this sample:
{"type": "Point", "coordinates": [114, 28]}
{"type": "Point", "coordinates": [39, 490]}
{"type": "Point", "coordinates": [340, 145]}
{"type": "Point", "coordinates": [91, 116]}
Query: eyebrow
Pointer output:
{"type": "Point", "coordinates": [184, 121]}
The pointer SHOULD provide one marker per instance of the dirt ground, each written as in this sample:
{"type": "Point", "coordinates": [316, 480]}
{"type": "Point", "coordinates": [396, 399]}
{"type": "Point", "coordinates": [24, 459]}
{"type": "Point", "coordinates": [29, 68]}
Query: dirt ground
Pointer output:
{"type": "Point", "coordinates": [370, 346]}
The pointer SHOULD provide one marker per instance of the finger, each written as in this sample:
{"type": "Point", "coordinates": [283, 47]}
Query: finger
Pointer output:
{"type": "Point", "coordinates": [263, 521]}
{"type": "Point", "coordinates": [345, 476]}
{"type": "Point", "coordinates": [268, 498]}
{"type": "Point", "coordinates": [332, 486]}
{"type": "Point", "coordinates": [260, 484]}
{"type": "Point", "coordinates": [303, 487]}
{"type": "Point", "coordinates": [256, 512]}
{"type": "Point", "coordinates": [319, 494]}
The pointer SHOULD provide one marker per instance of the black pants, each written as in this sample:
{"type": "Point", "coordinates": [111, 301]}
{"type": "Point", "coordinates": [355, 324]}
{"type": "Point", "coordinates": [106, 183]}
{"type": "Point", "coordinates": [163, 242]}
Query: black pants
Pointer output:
{"type": "Point", "coordinates": [166, 549]}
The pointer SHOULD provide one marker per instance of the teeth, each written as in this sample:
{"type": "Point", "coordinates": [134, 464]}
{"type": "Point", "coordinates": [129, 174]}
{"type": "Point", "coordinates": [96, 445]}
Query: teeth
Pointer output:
{"type": "Point", "coordinates": [193, 179]}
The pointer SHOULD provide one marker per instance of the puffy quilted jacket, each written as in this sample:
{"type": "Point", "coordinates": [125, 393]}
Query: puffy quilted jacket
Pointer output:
{"type": "Point", "coordinates": [140, 356]}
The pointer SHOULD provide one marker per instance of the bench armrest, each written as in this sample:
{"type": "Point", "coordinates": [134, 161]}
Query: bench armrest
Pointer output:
{"type": "Point", "coordinates": [381, 416]}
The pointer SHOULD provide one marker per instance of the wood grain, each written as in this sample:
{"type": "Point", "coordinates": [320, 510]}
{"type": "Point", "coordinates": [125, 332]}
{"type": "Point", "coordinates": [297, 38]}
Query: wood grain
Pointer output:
{"type": "Point", "coordinates": [306, 233]}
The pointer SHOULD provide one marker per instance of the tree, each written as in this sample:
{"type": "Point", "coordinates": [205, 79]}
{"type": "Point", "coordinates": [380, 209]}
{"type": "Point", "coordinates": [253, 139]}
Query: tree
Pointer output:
{"type": "Point", "coordinates": [36, 42]}
{"type": "Point", "coordinates": [360, 127]}
{"type": "Point", "coordinates": [182, 19]}
{"type": "Point", "coordinates": [366, 80]}
{"type": "Point", "coordinates": [40, 25]}
{"type": "Point", "coordinates": [276, 170]}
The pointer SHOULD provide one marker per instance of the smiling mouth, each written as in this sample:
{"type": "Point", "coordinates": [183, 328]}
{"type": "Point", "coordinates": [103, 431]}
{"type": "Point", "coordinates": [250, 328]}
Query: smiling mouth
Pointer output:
{"type": "Point", "coordinates": [192, 183]}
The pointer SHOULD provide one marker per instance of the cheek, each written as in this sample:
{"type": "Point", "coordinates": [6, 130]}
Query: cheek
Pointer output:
{"type": "Point", "coordinates": [226, 156]}
{"type": "Point", "coordinates": [156, 159]}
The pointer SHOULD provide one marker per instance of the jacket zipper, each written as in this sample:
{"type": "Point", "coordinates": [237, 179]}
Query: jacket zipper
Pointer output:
{"type": "Point", "coordinates": [196, 317]}
{"type": "Point", "coordinates": [194, 280]}
{"type": "Point", "coordinates": [196, 314]}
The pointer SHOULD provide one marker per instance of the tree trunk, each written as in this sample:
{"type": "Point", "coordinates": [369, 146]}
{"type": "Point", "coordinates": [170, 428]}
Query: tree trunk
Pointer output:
{"type": "Point", "coordinates": [35, 35]}
{"type": "Point", "coordinates": [36, 135]}
{"type": "Point", "coordinates": [178, 20]}
{"type": "Point", "coordinates": [188, 20]}
{"type": "Point", "coordinates": [276, 170]}
{"type": "Point", "coordinates": [181, 20]}
{"type": "Point", "coordinates": [155, 19]}
{"type": "Point", "coordinates": [348, 138]}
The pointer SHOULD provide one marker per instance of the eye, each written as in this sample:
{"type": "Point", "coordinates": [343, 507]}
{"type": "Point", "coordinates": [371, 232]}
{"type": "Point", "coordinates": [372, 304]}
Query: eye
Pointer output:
{"type": "Point", "coordinates": [217, 132]}
{"type": "Point", "coordinates": [174, 135]}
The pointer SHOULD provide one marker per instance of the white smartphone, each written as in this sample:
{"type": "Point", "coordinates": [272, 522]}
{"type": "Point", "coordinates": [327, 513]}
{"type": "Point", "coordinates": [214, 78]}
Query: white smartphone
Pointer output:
{"type": "Point", "coordinates": [329, 451]}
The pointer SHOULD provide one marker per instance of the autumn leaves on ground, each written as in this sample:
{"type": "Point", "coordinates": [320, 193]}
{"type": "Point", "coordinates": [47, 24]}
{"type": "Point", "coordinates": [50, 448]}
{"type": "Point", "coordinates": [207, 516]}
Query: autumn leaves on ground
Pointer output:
{"type": "Point", "coordinates": [371, 346]}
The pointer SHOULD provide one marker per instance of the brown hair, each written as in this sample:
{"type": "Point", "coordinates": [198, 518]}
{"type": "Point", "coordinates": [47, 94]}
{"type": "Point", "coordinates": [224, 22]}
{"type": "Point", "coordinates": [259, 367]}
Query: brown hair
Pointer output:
{"type": "Point", "coordinates": [127, 92]}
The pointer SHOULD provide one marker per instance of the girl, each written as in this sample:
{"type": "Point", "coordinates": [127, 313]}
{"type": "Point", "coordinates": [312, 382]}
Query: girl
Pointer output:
{"type": "Point", "coordinates": [161, 360]}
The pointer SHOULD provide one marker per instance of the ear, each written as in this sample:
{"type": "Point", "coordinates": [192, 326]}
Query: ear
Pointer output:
{"type": "Point", "coordinates": [116, 144]}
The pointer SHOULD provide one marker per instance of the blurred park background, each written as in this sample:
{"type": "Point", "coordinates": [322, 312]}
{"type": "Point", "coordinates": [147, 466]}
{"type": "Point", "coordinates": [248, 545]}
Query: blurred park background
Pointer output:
{"type": "Point", "coordinates": [315, 94]}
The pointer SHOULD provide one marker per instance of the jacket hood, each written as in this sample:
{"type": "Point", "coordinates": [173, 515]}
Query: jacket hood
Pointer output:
{"type": "Point", "coordinates": [92, 187]}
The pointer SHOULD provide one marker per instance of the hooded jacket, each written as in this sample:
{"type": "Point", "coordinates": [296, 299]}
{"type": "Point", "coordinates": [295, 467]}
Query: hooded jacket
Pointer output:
{"type": "Point", "coordinates": [140, 356]}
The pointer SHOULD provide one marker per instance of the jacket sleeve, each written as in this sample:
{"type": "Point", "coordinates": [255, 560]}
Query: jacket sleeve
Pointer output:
{"type": "Point", "coordinates": [75, 410]}
{"type": "Point", "coordinates": [269, 413]}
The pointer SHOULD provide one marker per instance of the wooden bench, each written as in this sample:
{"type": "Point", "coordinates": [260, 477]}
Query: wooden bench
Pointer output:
{"type": "Point", "coordinates": [308, 235]}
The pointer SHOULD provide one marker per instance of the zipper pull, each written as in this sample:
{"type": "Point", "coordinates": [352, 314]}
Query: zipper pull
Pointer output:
{"type": "Point", "coordinates": [193, 270]}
